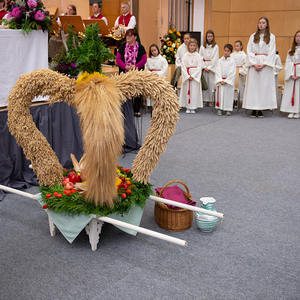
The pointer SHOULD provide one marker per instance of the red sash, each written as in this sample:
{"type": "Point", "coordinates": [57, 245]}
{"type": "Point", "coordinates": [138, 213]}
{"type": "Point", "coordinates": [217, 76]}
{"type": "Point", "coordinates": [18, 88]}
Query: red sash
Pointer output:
{"type": "Point", "coordinates": [218, 104]}
{"type": "Point", "coordinates": [153, 70]}
{"type": "Point", "coordinates": [293, 98]}
{"type": "Point", "coordinates": [206, 59]}
{"type": "Point", "coordinates": [189, 91]}
{"type": "Point", "coordinates": [261, 54]}
{"type": "Point", "coordinates": [98, 17]}
{"type": "Point", "coordinates": [124, 20]}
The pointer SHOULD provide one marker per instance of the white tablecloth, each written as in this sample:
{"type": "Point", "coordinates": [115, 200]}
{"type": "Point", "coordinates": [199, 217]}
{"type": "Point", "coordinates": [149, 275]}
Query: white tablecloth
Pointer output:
{"type": "Point", "coordinates": [20, 54]}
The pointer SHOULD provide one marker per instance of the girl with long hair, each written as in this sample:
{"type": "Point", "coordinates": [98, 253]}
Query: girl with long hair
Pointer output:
{"type": "Point", "coordinates": [239, 57]}
{"type": "Point", "coordinates": [260, 93]}
{"type": "Point", "coordinates": [191, 68]}
{"type": "Point", "coordinates": [291, 97]}
{"type": "Point", "coordinates": [209, 51]}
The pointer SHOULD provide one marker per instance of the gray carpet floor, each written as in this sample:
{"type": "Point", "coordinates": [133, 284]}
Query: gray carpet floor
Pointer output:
{"type": "Point", "coordinates": [250, 166]}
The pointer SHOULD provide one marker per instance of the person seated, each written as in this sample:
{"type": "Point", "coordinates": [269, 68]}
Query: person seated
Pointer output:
{"type": "Point", "coordinates": [123, 23]}
{"type": "Point", "coordinates": [3, 12]}
{"type": "Point", "coordinates": [55, 44]}
{"type": "Point", "coordinates": [97, 12]}
{"type": "Point", "coordinates": [71, 11]}
{"type": "Point", "coordinates": [127, 20]}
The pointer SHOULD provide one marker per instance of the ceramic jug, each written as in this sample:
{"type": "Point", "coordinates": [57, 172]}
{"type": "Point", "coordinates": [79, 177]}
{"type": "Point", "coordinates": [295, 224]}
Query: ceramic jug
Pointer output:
{"type": "Point", "coordinates": [205, 222]}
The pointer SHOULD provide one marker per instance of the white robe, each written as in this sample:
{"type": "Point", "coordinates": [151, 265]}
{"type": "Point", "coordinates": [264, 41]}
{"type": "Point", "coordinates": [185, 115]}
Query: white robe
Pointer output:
{"type": "Point", "coordinates": [191, 60]}
{"type": "Point", "coordinates": [260, 85]}
{"type": "Point", "coordinates": [290, 69]}
{"type": "Point", "coordinates": [225, 71]}
{"type": "Point", "coordinates": [210, 58]}
{"type": "Point", "coordinates": [241, 70]}
{"type": "Point", "coordinates": [277, 69]}
{"type": "Point", "coordinates": [159, 64]}
{"type": "Point", "coordinates": [179, 55]}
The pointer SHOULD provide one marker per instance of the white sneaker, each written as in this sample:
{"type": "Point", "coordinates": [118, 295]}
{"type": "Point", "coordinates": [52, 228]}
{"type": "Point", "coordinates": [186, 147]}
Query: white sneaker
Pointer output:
{"type": "Point", "coordinates": [192, 111]}
{"type": "Point", "coordinates": [296, 116]}
{"type": "Point", "coordinates": [188, 111]}
{"type": "Point", "coordinates": [290, 116]}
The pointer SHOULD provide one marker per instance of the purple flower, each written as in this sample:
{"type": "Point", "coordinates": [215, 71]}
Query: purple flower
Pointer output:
{"type": "Point", "coordinates": [16, 12]}
{"type": "Point", "coordinates": [39, 16]}
{"type": "Point", "coordinates": [72, 65]}
{"type": "Point", "coordinates": [31, 3]}
{"type": "Point", "coordinates": [47, 13]}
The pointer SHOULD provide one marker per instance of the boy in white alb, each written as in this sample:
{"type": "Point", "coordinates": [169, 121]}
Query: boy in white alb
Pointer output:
{"type": "Point", "coordinates": [225, 81]}
{"type": "Point", "coordinates": [191, 89]}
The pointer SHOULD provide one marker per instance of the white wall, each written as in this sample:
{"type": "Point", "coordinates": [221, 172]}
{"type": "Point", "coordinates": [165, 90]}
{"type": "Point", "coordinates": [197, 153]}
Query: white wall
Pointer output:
{"type": "Point", "coordinates": [199, 10]}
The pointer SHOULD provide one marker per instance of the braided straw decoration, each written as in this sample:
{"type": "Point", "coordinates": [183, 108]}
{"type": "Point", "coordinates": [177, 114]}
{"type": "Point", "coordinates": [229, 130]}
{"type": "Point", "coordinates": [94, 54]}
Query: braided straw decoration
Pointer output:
{"type": "Point", "coordinates": [164, 117]}
{"type": "Point", "coordinates": [20, 122]}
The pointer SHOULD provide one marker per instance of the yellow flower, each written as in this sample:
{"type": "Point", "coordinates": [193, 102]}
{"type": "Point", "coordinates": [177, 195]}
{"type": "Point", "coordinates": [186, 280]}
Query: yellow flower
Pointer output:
{"type": "Point", "coordinates": [118, 181]}
{"type": "Point", "coordinates": [170, 31]}
{"type": "Point", "coordinates": [174, 29]}
{"type": "Point", "coordinates": [169, 43]}
{"type": "Point", "coordinates": [176, 42]}
{"type": "Point", "coordinates": [171, 49]}
{"type": "Point", "coordinates": [178, 33]}
{"type": "Point", "coordinates": [86, 76]}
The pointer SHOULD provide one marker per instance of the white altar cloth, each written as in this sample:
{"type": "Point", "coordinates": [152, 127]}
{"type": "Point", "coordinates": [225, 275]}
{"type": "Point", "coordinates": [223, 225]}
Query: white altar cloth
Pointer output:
{"type": "Point", "coordinates": [20, 54]}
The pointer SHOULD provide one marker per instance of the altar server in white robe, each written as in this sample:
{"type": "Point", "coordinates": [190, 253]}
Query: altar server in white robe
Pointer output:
{"type": "Point", "coordinates": [179, 55]}
{"type": "Point", "coordinates": [260, 91]}
{"type": "Point", "coordinates": [210, 54]}
{"type": "Point", "coordinates": [191, 69]}
{"type": "Point", "coordinates": [225, 81]}
{"type": "Point", "coordinates": [291, 96]}
{"type": "Point", "coordinates": [156, 64]}
{"type": "Point", "coordinates": [182, 49]}
{"type": "Point", "coordinates": [277, 69]}
{"type": "Point", "coordinates": [239, 57]}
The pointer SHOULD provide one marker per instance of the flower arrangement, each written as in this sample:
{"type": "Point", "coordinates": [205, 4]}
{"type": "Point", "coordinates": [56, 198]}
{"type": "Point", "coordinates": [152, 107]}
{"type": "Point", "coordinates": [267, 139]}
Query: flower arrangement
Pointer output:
{"type": "Point", "coordinates": [27, 15]}
{"type": "Point", "coordinates": [66, 198]}
{"type": "Point", "coordinates": [169, 45]}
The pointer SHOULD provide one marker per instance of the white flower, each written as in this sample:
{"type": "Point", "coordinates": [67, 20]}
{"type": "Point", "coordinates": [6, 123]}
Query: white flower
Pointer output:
{"type": "Point", "coordinates": [168, 38]}
{"type": "Point", "coordinates": [20, 2]}
{"type": "Point", "coordinates": [178, 40]}
{"type": "Point", "coordinates": [165, 47]}
{"type": "Point", "coordinates": [173, 45]}
{"type": "Point", "coordinates": [168, 50]}
{"type": "Point", "coordinates": [164, 56]}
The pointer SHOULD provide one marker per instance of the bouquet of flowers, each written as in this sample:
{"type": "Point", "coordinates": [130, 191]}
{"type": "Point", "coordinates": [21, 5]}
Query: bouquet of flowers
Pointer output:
{"type": "Point", "coordinates": [27, 15]}
{"type": "Point", "coordinates": [169, 45]}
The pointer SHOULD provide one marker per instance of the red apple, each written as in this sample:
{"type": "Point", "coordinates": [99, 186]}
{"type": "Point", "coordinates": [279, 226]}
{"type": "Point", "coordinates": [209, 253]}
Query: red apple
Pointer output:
{"type": "Point", "coordinates": [71, 173]}
{"type": "Point", "coordinates": [66, 180]}
{"type": "Point", "coordinates": [69, 186]}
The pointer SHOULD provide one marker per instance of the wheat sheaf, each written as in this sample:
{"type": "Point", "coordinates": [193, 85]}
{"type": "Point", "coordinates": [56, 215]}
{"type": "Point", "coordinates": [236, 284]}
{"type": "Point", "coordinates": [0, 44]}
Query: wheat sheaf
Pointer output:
{"type": "Point", "coordinates": [98, 102]}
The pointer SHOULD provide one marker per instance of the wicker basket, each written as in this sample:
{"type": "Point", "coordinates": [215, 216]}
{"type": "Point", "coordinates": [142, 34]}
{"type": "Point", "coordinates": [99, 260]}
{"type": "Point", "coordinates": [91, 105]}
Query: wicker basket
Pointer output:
{"type": "Point", "coordinates": [173, 219]}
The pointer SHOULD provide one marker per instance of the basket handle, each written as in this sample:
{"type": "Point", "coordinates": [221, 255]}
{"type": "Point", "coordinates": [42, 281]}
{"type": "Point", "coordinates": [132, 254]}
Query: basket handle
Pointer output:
{"type": "Point", "coordinates": [178, 181]}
